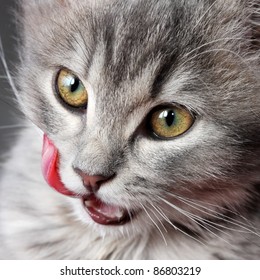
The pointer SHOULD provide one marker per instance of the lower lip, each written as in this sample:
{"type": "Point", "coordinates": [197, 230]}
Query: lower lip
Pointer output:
{"type": "Point", "coordinates": [102, 219]}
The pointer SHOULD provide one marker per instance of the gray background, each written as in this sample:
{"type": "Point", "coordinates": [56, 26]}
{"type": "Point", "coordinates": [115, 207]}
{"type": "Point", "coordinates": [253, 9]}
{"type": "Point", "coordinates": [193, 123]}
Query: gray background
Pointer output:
{"type": "Point", "coordinates": [8, 113]}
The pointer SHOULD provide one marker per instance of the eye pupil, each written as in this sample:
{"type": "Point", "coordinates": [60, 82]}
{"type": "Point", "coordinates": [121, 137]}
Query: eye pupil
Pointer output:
{"type": "Point", "coordinates": [74, 85]}
{"type": "Point", "coordinates": [169, 117]}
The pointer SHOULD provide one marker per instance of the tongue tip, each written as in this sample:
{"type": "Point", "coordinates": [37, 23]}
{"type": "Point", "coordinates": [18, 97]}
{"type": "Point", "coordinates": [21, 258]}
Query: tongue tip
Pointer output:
{"type": "Point", "coordinates": [50, 157]}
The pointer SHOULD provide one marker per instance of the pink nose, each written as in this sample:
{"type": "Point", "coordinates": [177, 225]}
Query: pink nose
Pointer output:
{"type": "Point", "coordinates": [92, 182]}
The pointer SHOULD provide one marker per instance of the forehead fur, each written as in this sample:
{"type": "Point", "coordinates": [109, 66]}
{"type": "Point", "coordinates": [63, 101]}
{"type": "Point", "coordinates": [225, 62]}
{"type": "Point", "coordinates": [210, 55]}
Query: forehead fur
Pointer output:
{"type": "Point", "coordinates": [121, 42]}
{"type": "Point", "coordinates": [157, 30]}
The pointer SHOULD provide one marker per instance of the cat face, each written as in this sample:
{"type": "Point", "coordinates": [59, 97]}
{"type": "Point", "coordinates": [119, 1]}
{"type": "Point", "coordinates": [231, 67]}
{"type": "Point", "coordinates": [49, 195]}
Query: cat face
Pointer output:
{"type": "Point", "coordinates": [153, 106]}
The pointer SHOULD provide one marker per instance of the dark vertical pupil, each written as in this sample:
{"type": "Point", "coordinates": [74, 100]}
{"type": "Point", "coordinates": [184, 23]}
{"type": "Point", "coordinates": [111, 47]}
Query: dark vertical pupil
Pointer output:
{"type": "Point", "coordinates": [169, 119]}
{"type": "Point", "coordinates": [74, 85]}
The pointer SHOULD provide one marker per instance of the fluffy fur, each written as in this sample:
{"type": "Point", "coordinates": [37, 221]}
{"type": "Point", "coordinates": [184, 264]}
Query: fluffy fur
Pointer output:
{"type": "Point", "coordinates": [196, 196]}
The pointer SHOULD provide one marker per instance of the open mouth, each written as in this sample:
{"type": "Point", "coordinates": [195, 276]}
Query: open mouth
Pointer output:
{"type": "Point", "coordinates": [105, 214]}
{"type": "Point", "coordinates": [100, 212]}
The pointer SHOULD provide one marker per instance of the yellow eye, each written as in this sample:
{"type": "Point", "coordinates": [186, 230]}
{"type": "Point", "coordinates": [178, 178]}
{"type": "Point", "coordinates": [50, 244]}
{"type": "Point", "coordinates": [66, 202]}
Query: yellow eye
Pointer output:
{"type": "Point", "coordinates": [71, 89]}
{"type": "Point", "coordinates": [171, 122]}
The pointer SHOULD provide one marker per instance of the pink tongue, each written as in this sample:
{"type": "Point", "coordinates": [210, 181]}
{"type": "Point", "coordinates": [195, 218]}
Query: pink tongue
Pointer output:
{"type": "Point", "coordinates": [50, 159]}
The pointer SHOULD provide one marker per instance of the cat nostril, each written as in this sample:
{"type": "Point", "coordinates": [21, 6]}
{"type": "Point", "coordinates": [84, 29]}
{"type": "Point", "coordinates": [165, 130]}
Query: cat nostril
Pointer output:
{"type": "Point", "coordinates": [92, 182]}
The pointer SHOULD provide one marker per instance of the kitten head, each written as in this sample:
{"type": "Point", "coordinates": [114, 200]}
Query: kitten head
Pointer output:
{"type": "Point", "coordinates": [153, 106]}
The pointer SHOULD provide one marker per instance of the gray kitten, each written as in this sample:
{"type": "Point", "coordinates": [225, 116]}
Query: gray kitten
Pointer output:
{"type": "Point", "coordinates": [150, 112]}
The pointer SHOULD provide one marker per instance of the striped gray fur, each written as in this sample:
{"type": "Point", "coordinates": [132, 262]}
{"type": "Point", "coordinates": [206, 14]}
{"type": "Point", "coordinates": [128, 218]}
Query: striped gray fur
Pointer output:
{"type": "Point", "coordinates": [193, 197]}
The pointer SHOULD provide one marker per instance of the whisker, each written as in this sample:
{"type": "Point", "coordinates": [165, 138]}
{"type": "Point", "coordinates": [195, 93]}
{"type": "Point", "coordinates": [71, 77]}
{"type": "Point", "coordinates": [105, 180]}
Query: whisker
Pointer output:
{"type": "Point", "coordinates": [159, 211]}
{"type": "Point", "coordinates": [131, 219]}
{"type": "Point", "coordinates": [217, 215]}
{"type": "Point", "coordinates": [15, 126]}
{"type": "Point", "coordinates": [194, 218]}
{"type": "Point", "coordinates": [157, 217]}
{"type": "Point", "coordinates": [154, 223]}
{"type": "Point", "coordinates": [4, 77]}
{"type": "Point", "coordinates": [189, 201]}
{"type": "Point", "coordinates": [218, 226]}
{"type": "Point", "coordinates": [10, 80]}
{"type": "Point", "coordinates": [7, 71]}
{"type": "Point", "coordinates": [203, 221]}
{"type": "Point", "coordinates": [163, 215]}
